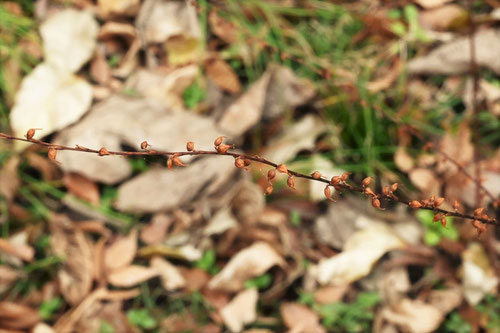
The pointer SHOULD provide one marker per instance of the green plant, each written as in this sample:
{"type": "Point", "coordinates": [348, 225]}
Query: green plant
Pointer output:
{"type": "Point", "coordinates": [490, 308]}
{"type": "Point", "coordinates": [454, 323]}
{"type": "Point", "coordinates": [141, 318]}
{"type": "Point", "coordinates": [260, 282]}
{"type": "Point", "coordinates": [207, 262]}
{"type": "Point", "coordinates": [434, 231]}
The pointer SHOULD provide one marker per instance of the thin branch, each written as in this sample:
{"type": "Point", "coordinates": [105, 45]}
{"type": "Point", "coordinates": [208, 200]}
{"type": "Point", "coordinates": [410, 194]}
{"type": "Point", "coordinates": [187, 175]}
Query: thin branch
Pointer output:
{"type": "Point", "coordinates": [337, 182]}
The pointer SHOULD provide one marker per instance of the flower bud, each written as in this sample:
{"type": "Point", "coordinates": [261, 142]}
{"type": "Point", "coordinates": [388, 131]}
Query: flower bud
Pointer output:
{"type": "Point", "coordinates": [345, 176]}
{"type": "Point", "coordinates": [438, 202]}
{"type": "Point", "coordinates": [103, 151]}
{"type": "Point", "coordinates": [218, 141]}
{"type": "Point", "coordinates": [282, 168]}
{"type": "Point", "coordinates": [247, 161]}
{"type": "Point", "coordinates": [376, 203]}
{"type": "Point", "coordinates": [144, 145]}
{"type": "Point", "coordinates": [328, 193]}
{"type": "Point", "coordinates": [169, 162]}
{"type": "Point", "coordinates": [316, 175]}
{"type": "Point", "coordinates": [271, 174]}
{"type": "Point", "coordinates": [52, 154]}
{"type": "Point", "coordinates": [223, 148]}
{"type": "Point", "coordinates": [239, 163]}
{"type": "Point", "coordinates": [335, 180]}
{"type": "Point", "coordinates": [478, 211]}
{"type": "Point", "coordinates": [369, 191]}
{"type": "Point", "coordinates": [177, 161]}
{"type": "Point", "coordinates": [291, 181]}
{"type": "Point", "coordinates": [415, 204]}
{"type": "Point", "coordinates": [394, 187]}
{"type": "Point", "coordinates": [437, 217]}
{"type": "Point", "coordinates": [443, 221]}
{"type": "Point", "coordinates": [456, 205]}
{"type": "Point", "coordinates": [31, 133]}
{"type": "Point", "coordinates": [190, 146]}
{"type": "Point", "coordinates": [269, 190]}
{"type": "Point", "coordinates": [366, 182]}
{"type": "Point", "coordinates": [385, 191]}
{"type": "Point", "coordinates": [480, 227]}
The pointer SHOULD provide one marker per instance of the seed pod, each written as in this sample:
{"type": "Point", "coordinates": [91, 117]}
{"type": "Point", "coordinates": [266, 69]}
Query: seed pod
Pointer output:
{"type": "Point", "coordinates": [366, 182]}
{"type": "Point", "coordinates": [144, 145]}
{"type": "Point", "coordinates": [177, 161]}
{"type": "Point", "coordinates": [443, 221]}
{"type": "Point", "coordinates": [385, 191]}
{"type": "Point", "coordinates": [247, 161]}
{"type": "Point", "coordinates": [239, 163]}
{"type": "Point", "coordinates": [376, 203]}
{"type": "Point", "coordinates": [369, 191]}
{"type": "Point", "coordinates": [424, 202]}
{"type": "Point", "coordinates": [169, 162]}
{"type": "Point", "coordinates": [218, 141]}
{"type": "Point", "coordinates": [394, 187]}
{"type": "Point", "coordinates": [480, 227]}
{"type": "Point", "coordinates": [438, 202]}
{"type": "Point", "coordinates": [345, 176]}
{"type": "Point", "coordinates": [484, 217]}
{"type": "Point", "coordinates": [478, 211]}
{"type": "Point", "coordinates": [223, 148]}
{"type": "Point", "coordinates": [316, 175]}
{"type": "Point", "coordinates": [269, 190]}
{"type": "Point", "coordinates": [103, 151]}
{"type": "Point", "coordinates": [415, 204]}
{"type": "Point", "coordinates": [52, 154]}
{"type": "Point", "coordinates": [282, 168]}
{"type": "Point", "coordinates": [335, 180]}
{"type": "Point", "coordinates": [432, 199]}
{"type": "Point", "coordinates": [271, 174]}
{"type": "Point", "coordinates": [328, 193]}
{"type": "Point", "coordinates": [31, 133]}
{"type": "Point", "coordinates": [291, 181]}
{"type": "Point", "coordinates": [190, 146]}
{"type": "Point", "coordinates": [456, 205]}
{"type": "Point", "coordinates": [437, 217]}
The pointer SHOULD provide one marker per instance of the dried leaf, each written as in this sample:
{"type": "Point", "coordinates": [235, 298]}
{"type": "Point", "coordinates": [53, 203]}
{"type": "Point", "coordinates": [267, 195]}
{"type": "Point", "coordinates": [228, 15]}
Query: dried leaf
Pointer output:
{"type": "Point", "coordinates": [249, 262]}
{"type": "Point", "coordinates": [241, 310]}
{"type": "Point", "coordinates": [171, 278]}
{"type": "Point", "coordinates": [432, 3]}
{"type": "Point", "coordinates": [119, 7]}
{"type": "Point", "coordinates": [222, 28]}
{"type": "Point", "coordinates": [444, 18]}
{"type": "Point", "coordinates": [9, 180]}
{"type": "Point", "coordinates": [99, 68]}
{"type": "Point", "coordinates": [17, 248]}
{"type": "Point", "coordinates": [479, 277]}
{"type": "Point", "coordinates": [223, 75]}
{"type": "Point", "coordinates": [7, 277]}
{"type": "Point", "coordinates": [50, 99]}
{"type": "Point", "coordinates": [17, 316]}
{"type": "Point", "coordinates": [130, 276]}
{"type": "Point", "coordinates": [408, 314]}
{"type": "Point", "coordinates": [82, 187]}
{"type": "Point", "coordinates": [299, 318]}
{"type": "Point", "coordinates": [403, 160]}
{"type": "Point", "coordinates": [426, 181]}
{"type": "Point", "coordinates": [69, 39]}
{"type": "Point", "coordinates": [121, 252]}
{"type": "Point", "coordinates": [156, 230]}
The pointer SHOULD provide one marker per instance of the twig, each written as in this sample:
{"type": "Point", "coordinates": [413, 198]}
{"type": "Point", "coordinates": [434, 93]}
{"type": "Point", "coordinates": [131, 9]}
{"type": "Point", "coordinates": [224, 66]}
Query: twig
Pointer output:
{"type": "Point", "coordinates": [339, 183]}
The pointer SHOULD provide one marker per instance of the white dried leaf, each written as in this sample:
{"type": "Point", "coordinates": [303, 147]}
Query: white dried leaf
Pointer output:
{"type": "Point", "coordinates": [479, 277]}
{"type": "Point", "coordinates": [121, 252]}
{"type": "Point", "coordinates": [414, 316]}
{"type": "Point", "coordinates": [131, 275]}
{"type": "Point", "coordinates": [171, 278]}
{"type": "Point", "coordinates": [69, 39]}
{"type": "Point", "coordinates": [241, 310]}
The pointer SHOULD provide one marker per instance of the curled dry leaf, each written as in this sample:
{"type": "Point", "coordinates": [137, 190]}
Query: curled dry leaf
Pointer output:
{"type": "Point", "coordinates": [82, 187]}
{"type": "Point", "coordinates": [132, 275]}
{"type": "Point", "coordinates": [242, 310]}
{"type": "Point", "coordinates": [15, 316]}
{"type": "Point", "coordinates": [171, 278]}
{"type": "Point", "coordinates": [248, 263]}
{"type": "Point", "coordinates": [299, 318]}
{"type": "Point", "coordinates": [121, 252]}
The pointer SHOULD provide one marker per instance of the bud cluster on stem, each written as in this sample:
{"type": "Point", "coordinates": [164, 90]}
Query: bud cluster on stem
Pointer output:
{"type": "Point", "coordinates": [338, 183]}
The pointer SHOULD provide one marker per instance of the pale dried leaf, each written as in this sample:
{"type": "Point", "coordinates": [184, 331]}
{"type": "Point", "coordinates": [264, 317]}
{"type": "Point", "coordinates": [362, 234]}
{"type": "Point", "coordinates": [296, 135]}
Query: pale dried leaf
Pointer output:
{"type": "Point", "coordinates": [330, 294]}
{"type": "Point", "coordinates": [446, 300]}
{"type": "Point", "coordinates": [299, 318]}
{"type": "Point", "coordinates": [426, 181]}
{"type": "Point", "coordinates": [158, 20]}
{"type": "Point", "coordinates": [82, 187]}
{"type": "Point", "coordinates": [9, 180]}
{"type": "Point", "coordinates": [99, 68]}
{"type": "Point", "coordinates": [222, 28]}
{"type": "Point", "coordinates": [49, 99]}
{"type": "Point", "coordinates": [223, 75]}
{"type": "Point", "coordinates": [403, 160]}
{"type": "Point", "coordinates": [409, 315]}
{"type": "Point", "coordinates": [431, 3]}
{"type": "Point", "coordinates": [220, 222]}
{"type": "Point", "coordinates": [241, 310]}
{"type": "Point", "coordinates": [454, 57]}
{"type": "Point", "coordinates": [182, 50]}
{"type": "Point", "coordinates": [443, 18]}
{"type": "Point", "coordinates": [171, 278]}
{"type": "Point", "coordinates": [131, 276]}
{"type": "Point", "coordinates": [121, 252]}
{"type": "Point", "coordinates": [43, 328]}
{"type": "Point", "coordinates": [7, 277]}
{"type": "Point", "coordinates": [362, 250]}
{"type": "Point", "coordinates": [156, 230]}
{"type": "Point", "coordinates": [17, 316]}
{"type": "Point", "coordinates": [248, 263]}
{"type": "Point", "coordinates": [479, 277]}
{"type": "Point", "coordinates": [69, 39]}
{"type": "Point", "coordinates": [17, 248]}
{"type": "Point", "coordinates": [119, 7]}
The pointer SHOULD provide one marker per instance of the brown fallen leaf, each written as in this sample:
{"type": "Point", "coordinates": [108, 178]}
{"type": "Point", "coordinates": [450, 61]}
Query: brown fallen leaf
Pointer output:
{"type": "Point", "coordinates": [222, 28]}
{"type": "Point", "coordinates": [100, 71]}
{"type": "Point", "coordinates": [241, 310]}
{"type": "Point", "coordinates": [48, 169]}
{"type": "Point", "coordinates": [156, 230]}
{"type": "Point", "coordinates": [119, 7]}
{"type": "Point", "coordinates": [17, 316]}
{"type": "Point", "coordinates": [299, 318]}
{"type": "Point", "coordinates": [223, 75]}
{"type": "Point", "coordinates": [7, 277]}
{"type": "Point", "coordinates": [17, 249]}
{"type": "Point", "coordinates": [403, 160]}
{"type": "Point", "coordinates": [132, 275]}
{"type": "Point", "coordinates": [9, 180]}
{"type": "Point", "coordinates": [426, 181]}
{"type": "Point", "coordinates": [444, 18]}
{"type": "Point", "coordinates": [408, 315]}
{"type": "Point", "coordinates": [82, 187]}
{"type": "Point", "coordinates": [171, 278]}
{"type": "Point", "coordinates": [121, 252]}
{"type": "Point", "coordinates": [248, 263]}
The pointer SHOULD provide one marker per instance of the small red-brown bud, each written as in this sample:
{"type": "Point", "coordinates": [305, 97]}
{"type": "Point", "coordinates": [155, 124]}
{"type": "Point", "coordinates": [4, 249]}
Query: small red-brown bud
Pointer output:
{"type": "Point", "coordinates": [424, 202]}
{"type": "Point", "coordinates": [444, 221]}
{"type": "Point", "coordinates": [31, 133]}
{"type": "Point", "coordinates": [103, 151]}
{"type": "Point", "coordinates": [337, 187]}
{"type": "Point", "coordinates": [428, 146]}
{"type": "Point", "coordinates": [239, 163]}
{"type": "Point", "coordinates": [432, 199]}
{"type": "Point", "coordinates": [223, 148]}
{"type": "Point", "coordinates": [456, 205]}
{"type": "Point", "coordinates": [496, 203]}
{"type": "Point", "coordinates": [345, 176]}
{"type": "Point", "coordinates": [271, 174]}
{"type": "Point", "coordinates": [484, 217]}
{"type": "Point", "coordinates": [335, 180]}
{"type": "Point", "coordinates": [291, 181]}
{"type": "Point", "coordinates": [218, 141]}
{"type": "Point", "coordinates": [478, 211]}
{"type": "Point", "coordinates": [385, 191]}
{"type": "Point", "coordinates": [376, 203]}
{"type": "Point", "coordinates": [247, 161]}
{"type": "Point", "coordinates": [169, 162]}
{"type": "Point", "coordinates": [366, 182]}
{"type": "Point", "coordinates": [328, 193]}
{"type": "Point", "coordinates": [269, 190]}
{"type": "Point", "coordinates": [438, 202]}
{"type": "Point", "coordinates": [144, 145]}
{"type": "Point", "coordinates": [282, 168]}
{"type": "Point", "coordinates": [177, 161]}
{"type": "Point", "coordinates": [437, 217]}
{"type": "Point", "coordinates": [480, 227]}
{"type": "Point", "coordinates": [190, 146]}
{"type": "Point", "coordinates": [394, 187]}
{"type": "Point", "coordinates": [415, 204]}
{"type": "Point", "coordinates": [369, 191]}
{"type": "Point", "coordinates": [52, 154]}
{"type": "Point", "coordinates": [316, 175]}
